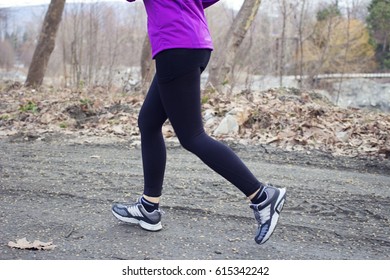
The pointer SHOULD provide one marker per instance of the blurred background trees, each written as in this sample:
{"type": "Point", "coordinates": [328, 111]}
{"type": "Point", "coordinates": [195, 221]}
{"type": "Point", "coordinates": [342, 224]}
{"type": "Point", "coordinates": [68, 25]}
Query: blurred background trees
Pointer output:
{"type": "Point", "coordinates": [379, 25]}
{"type": "Point", "coordinates": [221, 71]}
{"type": "Point", "coordinates": [103, 43]}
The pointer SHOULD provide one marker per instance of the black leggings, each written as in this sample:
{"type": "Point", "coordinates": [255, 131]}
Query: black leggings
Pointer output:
{"type": "Point", "coordinates": [175, 95]}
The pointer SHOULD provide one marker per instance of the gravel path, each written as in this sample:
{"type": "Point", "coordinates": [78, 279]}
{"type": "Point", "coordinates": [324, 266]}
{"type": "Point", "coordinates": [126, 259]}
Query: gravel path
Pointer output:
{"type": "Point", "coordinates": [62, 190]}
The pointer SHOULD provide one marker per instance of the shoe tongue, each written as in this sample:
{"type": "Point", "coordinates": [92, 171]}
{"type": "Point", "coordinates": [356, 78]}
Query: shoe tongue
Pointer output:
{"type": "Point", "coordinates": [268, 193]}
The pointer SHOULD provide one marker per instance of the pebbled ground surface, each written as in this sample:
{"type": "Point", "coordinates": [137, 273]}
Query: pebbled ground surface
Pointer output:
{"type": "Point", "coordinates": [61, 190]}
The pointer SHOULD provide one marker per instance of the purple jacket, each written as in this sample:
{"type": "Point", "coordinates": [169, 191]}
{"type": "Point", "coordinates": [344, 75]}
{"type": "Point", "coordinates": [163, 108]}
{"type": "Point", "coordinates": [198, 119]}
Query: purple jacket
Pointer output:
{"type": "Point", "coordinates": [178, 24]}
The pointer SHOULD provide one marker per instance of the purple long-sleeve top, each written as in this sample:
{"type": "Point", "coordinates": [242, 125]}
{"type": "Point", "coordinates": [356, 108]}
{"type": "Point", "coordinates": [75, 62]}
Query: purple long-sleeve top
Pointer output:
{"type": "Point", "coordinates": [178, 24]}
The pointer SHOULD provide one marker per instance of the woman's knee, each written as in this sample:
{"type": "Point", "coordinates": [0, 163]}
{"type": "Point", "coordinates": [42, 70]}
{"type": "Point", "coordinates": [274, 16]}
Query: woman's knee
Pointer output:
{"type": "Point", "coordinates": [146, 122]}
{"type": "Point", "coordinates": [193, 144]}
{"type": "Point", "coordinates": [150, 120]}
{"type": "Point", "coordinates": [142, 122]}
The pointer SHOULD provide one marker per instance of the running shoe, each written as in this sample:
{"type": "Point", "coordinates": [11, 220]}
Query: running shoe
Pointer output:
{"type": "Point", "coordinates": [136, 214]}
{"type": "Point", "coordinates": [267, 213]}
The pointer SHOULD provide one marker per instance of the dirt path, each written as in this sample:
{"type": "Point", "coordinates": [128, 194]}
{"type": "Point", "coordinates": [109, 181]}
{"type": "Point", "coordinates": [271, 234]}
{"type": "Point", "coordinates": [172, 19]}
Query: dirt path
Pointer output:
{"type": "Point", "coordinates": [62, 190]}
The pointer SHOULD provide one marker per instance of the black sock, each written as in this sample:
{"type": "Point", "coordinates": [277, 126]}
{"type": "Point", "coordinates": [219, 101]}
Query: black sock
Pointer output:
{"type": "Point", "coordinates": [260, 196]}
{"type": "Point", "coordinates": [149, 206]}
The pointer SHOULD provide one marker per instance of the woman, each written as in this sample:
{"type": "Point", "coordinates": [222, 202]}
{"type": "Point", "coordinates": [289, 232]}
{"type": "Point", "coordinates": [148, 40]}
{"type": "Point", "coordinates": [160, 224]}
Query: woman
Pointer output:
{"type": "Point", "coordinates": [181, 46]}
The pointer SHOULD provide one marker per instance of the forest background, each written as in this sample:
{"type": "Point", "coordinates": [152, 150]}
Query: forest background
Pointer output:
{"type": "Point", "coordinates": [277, 75]}
{"type": "Point", "coordinates": [101, 43]}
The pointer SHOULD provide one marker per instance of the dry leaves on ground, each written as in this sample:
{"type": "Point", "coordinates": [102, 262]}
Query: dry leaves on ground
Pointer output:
{"type": "Point", "coordinates": [302, 120]}
{"type": "Point", "coordinates": [287, 118]}
{"type": "Point", "coordinates": [24, 244]}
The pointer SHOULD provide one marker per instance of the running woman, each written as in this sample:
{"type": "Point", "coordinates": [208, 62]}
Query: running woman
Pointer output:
{"type": "Point", "coordinates": [181, 47]}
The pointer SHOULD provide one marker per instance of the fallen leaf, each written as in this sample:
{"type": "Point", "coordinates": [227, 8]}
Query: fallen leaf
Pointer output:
{"type": "Point", "coordinates": [24, 244]}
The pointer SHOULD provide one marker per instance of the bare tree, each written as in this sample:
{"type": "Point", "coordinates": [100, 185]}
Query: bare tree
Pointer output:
{"type": "Point", "coordinates": [7, 57]}
{"type": "Point", "coordinates": [93, 34]}
{"type": "Point", "coordinates": [4, 18]}
{"type": "Point", "coordinates": [326, 20]}
{"type": "Point", "coordinates": [95, 42]}
{"type": "Point", "coordinates": [46, 43]}
{"type": "Point", "coordinates": [147, 65]}
{"type": "Point", "coordinates": [76, 47]}
{"type": "Point", "coordinates": [282, 40]}
{"type": "Point", "coordinates": [301, 39]}
{"type": "Point", "coordinates": [64, 53]}
{"type": "Point", "coordinates": [221, 71]}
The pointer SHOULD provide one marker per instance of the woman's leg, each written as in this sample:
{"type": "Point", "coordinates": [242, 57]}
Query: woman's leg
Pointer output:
{"type": "Point", "coordinates": [175, 93]}
{"type": "Point", "coordinates": [178, 74]}
{"type": "Point", "coordinates": [150, 121]}
{"type": "Point", "coordinates": [145, 211]}
{"type": "Point", "coordinates": [179, 88]}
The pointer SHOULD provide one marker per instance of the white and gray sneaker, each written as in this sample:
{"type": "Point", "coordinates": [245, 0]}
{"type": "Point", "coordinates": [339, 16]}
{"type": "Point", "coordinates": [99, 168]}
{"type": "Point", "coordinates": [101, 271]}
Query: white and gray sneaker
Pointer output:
{"type": "Point", "coordinates": [267, 213]}
{"type": "Point", "coordinates": [136, 214]}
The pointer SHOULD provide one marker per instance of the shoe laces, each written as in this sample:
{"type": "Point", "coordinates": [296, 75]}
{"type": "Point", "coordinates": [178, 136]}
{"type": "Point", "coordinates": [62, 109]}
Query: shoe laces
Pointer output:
{"type": "Point", "coordinates": [261, 215]}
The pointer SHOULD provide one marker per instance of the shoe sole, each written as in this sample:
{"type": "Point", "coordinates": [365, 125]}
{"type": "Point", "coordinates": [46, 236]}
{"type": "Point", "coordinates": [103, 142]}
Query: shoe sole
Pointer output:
{"type": "Point", "coordinates": [275, 218]}
{"type": "Point", "coordinates": [143, 224]}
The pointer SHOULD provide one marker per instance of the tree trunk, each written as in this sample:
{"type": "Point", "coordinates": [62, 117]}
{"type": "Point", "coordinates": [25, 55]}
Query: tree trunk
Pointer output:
{"type": "Point", "coordinates": [46, 43]}
{"type": "Point", "coordinates": [282, 42]}
{"type": "Point", "coordinates": [301, 41]}
{"type": "Point", "coordinates": [220, 72]}
{"type": "Point", "coordinates": [147, 65]}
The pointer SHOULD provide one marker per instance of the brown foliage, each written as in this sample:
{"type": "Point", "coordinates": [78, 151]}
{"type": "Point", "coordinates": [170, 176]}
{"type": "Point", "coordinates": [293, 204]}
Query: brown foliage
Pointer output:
{"type": "Point", "coordinates": [338, 46]}
{"type": "Point", "coordinates": [286, 118]}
